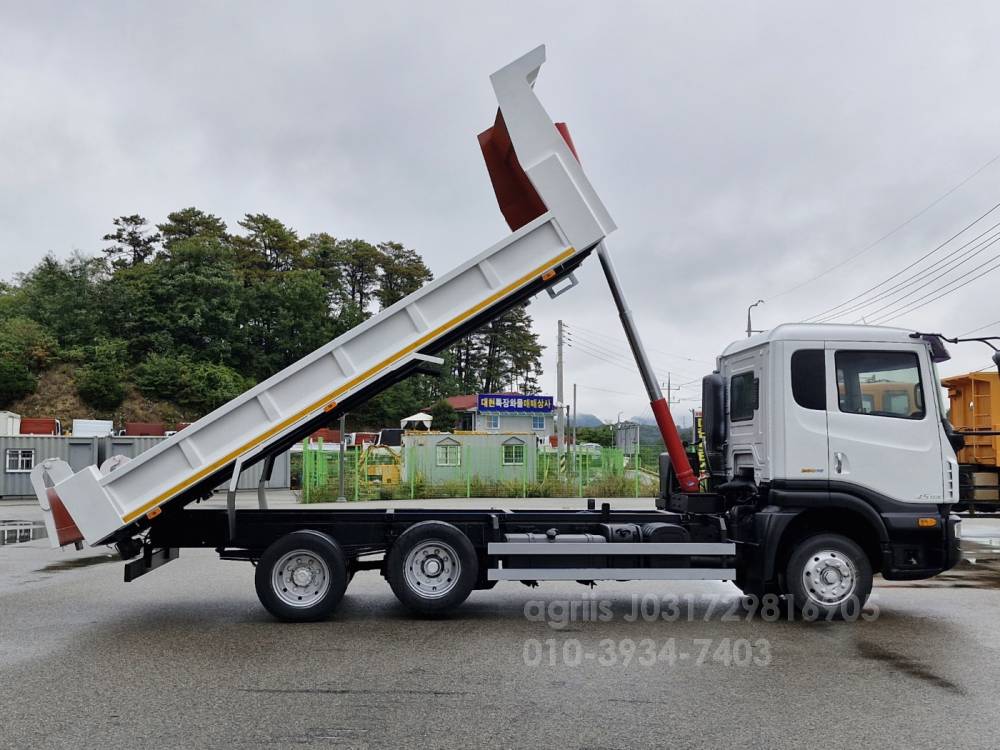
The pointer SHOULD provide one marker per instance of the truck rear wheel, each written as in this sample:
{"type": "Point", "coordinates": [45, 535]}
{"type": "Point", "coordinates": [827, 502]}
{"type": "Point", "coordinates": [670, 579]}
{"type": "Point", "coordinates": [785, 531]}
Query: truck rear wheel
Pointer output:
{"type": "Point", "coordinates": [432, 568]}
{"type": "Point", "coordinates": [829, 576]}
{"type": "Point", "coordinates": [301, 577]}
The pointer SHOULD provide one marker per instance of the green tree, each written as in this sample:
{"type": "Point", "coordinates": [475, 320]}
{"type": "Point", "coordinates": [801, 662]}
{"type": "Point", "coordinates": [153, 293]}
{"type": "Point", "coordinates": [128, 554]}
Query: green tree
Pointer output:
{"type": "Point", "coordinates": [600, 435]}
{"type": "Point", "coordinates": [26, 341]}
{"type": "Point", "coordinates": [189, 223]}
{"type": "Point", "coordinates": [359, 272]}
{"type": "Point", "coordinates": [403, 272]}
{"type": "Point", "coordinates": [283, 317]}
{"type": "Point", "coordinates": [269, 245]}
{"type": "Point", "coordinates": [504, 355]}
{"type": "Point", "coordinates": [162, 376]}
{"type": "Point", "coordinates": [445, 416]}
{"type": "Point", "coordinates": [66, 298]}
{"type": "Point", "coordinates": [101, 386]}
{"type": "Point", "coordinates": [208, 386]}
{"type": "Point", "coordinates": [16, 381]}
{"type": "Point", "coordinates": [323, 254]}
{"type": "Point", "coordinates": [132, 242]}
{"type": "Point", "coordinates": [187, 303]}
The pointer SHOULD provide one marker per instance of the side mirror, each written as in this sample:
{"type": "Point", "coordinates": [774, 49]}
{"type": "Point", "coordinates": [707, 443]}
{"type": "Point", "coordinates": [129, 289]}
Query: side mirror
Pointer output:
{"type": "Point", "coordinates": [996, 360]}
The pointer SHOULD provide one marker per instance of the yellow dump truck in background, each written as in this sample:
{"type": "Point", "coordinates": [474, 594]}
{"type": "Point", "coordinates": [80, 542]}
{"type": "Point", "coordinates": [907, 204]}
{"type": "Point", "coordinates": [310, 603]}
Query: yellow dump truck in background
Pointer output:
{"type": "Point", "coordinates": [975, 413]}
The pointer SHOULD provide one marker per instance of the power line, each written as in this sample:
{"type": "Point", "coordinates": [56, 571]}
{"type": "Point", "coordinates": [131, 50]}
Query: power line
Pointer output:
{"type": "Point", "coordinates": [976, 330]}
{"type": "Point", "coordinates": [830, 313]}
{"type": "Point", "coordinates": [592, 332]}
{"type": "Point", "coordinates": [619, 352]}
{"type": "Point", "coordinates": [939, 277]}
{"type": "Point", "coordinates": [910, 309]}
{"type": "Point", "coordinates": [606, 357]}
{"type": "Point", "coordinates": [606, 390]}
{"type": "Point", "coordinates": [888, 234]}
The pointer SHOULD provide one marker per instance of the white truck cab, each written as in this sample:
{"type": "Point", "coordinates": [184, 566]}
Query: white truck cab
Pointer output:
{"type": "Point", "coordinates": [857, 406]}
{"type": "Point", "coordinates": [838, 428]}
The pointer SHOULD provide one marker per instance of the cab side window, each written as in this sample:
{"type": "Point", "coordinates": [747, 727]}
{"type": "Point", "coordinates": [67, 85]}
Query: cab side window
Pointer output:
{"type": "Point", "coordinates": [744, 396]}
{"type": "Point", "coordinates": [809, 378]}
{"type": "Point", "coordinates": [881, 384]}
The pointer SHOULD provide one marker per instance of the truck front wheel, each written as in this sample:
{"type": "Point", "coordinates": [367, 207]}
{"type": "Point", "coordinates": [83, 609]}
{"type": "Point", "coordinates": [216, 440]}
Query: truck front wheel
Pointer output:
{"type": "Point", "coordinates": [830, 576]}
{"type": "Point", "coordinates": [432, 568]}
{"type": "Point", "coordinates": [302, 576]}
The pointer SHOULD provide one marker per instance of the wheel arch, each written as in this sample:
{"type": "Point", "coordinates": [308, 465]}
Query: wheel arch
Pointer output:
{"type": "Point", "coordinates": [866, 532]}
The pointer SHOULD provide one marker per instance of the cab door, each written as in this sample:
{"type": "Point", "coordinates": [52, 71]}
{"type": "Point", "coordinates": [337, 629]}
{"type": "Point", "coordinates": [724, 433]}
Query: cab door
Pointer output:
{"type": "Point", "coordinates": [807, 448]}
{"type": "Point", "coordinates": [884, 431]}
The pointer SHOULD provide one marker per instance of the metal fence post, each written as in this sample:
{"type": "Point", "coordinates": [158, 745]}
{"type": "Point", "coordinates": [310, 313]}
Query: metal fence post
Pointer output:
{"type": "Point", "coordinates": [306, 479]}
{"type": "Point", "coordinates": [342, 495]}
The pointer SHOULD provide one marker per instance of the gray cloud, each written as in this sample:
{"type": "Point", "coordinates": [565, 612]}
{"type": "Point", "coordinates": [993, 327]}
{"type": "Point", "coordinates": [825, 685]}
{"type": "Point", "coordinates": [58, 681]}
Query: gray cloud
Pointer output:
{"type": "Point", "coordinates": [740, 147]}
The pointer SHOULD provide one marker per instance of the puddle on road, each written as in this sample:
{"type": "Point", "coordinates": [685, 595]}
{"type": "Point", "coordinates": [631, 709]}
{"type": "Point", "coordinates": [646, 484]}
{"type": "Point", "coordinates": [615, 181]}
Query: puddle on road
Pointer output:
{"type": "Point", "coordinates": [77, 562]}
{"type": "Point", "coordinates": [18, 532]}
{"type": "Point", "coordinates": [901, 663]}
{"type": "Point", "coordinates": [979, 568]}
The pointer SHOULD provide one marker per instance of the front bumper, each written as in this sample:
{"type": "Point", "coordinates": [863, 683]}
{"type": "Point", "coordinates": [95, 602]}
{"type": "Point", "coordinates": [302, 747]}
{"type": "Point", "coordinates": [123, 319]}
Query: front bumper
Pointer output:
{"type": "Point", "coordinates": [913, 552]}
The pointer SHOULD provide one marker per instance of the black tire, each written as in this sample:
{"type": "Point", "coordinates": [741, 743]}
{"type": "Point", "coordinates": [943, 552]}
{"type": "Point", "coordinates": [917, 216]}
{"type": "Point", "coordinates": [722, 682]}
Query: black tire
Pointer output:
{"type": "Point", "coordinates": [315, 593]}
{"type": "Point", "coordinates": [432, 568]}
{"type": "Point", "coordinates": [829, 577]}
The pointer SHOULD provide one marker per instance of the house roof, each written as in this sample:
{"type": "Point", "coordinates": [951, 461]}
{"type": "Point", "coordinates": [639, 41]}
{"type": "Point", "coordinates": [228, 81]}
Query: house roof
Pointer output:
{"type": "Point", "coordinates": [463, 403]}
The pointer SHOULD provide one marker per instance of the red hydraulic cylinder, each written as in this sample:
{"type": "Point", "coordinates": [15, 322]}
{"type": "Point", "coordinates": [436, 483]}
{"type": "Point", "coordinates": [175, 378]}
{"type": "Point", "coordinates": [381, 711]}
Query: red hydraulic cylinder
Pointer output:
{"type": "Point", "coordinates": [675, 447]}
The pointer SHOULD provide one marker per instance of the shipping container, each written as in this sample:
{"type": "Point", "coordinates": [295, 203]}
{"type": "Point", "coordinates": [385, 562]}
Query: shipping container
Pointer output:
{"type": "Point", "coordinates": [93, 427]}
{"type": "Point", "coordinates": [20, 454]}
{"type": "Point", "coordinates": [10, 423]}
{"type": "Point", "coordinates": [41, 426]}
{"type": "Point", "coordinates": [145, 429]}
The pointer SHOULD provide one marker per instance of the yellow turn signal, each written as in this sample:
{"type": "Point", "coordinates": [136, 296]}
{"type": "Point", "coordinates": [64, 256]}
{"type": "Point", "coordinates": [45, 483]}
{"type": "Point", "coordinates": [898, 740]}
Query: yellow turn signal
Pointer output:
{"type": "Point", "coordinates": [927, 523]}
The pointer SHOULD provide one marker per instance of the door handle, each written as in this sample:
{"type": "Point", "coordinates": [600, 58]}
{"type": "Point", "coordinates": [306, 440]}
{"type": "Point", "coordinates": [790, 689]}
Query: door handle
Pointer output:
{"type": "Point", "coordinates": [838, 462]}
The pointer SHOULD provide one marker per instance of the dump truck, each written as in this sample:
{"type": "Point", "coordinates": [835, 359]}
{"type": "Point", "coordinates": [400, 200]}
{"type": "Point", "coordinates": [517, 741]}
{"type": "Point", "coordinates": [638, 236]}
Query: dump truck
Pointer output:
{"type": "Point", "coordinates": [975, 415]}
{"type": "Point", "coordinates": [807, 493]}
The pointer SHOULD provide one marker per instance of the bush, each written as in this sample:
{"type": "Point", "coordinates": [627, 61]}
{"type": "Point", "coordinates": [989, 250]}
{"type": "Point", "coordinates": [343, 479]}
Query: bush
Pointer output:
{"type": "Point", "coordinates": [207, 386]}
{"type": "Point", "coordinates": [161, 376]}
{"type": "Point", "coordinates": [16, 381]}
{"type": "Point", "coordinates": [26, 342]}
{"type": "Point", "coordinates": [202, 386]}
{"type": "Point", "coordinates": [445, 416]}
{"type": "Point", "coordinates": [101, 386]}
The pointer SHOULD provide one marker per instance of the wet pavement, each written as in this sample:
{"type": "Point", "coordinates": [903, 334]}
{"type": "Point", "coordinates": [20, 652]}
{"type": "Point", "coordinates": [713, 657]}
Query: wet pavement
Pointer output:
{"type": "Point", "coordinates": [186, 657]}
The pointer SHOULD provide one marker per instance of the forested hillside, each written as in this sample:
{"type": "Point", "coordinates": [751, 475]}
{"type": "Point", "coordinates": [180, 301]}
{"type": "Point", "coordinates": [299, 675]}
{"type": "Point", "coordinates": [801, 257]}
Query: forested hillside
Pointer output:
{"type": "Point", "coordinates": [172, 320]}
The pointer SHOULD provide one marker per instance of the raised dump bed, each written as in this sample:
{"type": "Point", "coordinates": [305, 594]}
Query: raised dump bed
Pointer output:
{"type": "Point", "coordinates": [102, 504]}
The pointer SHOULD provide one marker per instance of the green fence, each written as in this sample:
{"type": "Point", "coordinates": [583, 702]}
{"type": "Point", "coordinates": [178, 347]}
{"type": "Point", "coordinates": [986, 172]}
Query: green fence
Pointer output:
{"type": "Point", "coordinates": [457, 471]}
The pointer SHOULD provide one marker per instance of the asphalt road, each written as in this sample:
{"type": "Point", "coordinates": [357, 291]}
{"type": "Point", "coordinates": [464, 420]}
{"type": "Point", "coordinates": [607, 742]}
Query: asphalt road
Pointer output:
{"type": "Point", "coordinates": [186, 657]}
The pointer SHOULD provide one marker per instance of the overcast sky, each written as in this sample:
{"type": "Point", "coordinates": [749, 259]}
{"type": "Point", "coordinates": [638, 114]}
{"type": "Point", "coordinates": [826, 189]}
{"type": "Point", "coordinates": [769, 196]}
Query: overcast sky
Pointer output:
{"type": "Point", "coordinates": [742, 148]}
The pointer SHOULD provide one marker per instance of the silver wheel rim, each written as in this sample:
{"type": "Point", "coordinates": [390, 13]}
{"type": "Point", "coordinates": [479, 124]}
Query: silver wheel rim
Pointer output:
{"type": "Point", "coordinates": [432, 569]}
{"type": "Point", "coordinates": [829, 577]}
{"type": "Point", "coordinates": [301, 578]}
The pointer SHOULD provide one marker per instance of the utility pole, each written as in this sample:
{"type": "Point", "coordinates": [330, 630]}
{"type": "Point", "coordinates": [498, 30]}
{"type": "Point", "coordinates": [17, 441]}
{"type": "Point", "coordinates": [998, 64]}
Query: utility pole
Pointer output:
{"type": "Point", "coordinates": [750, 330]}
{"type": "Point", "coordinates": [560, 414]}
{"type": "Point", "coordinates": [669, 389]}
